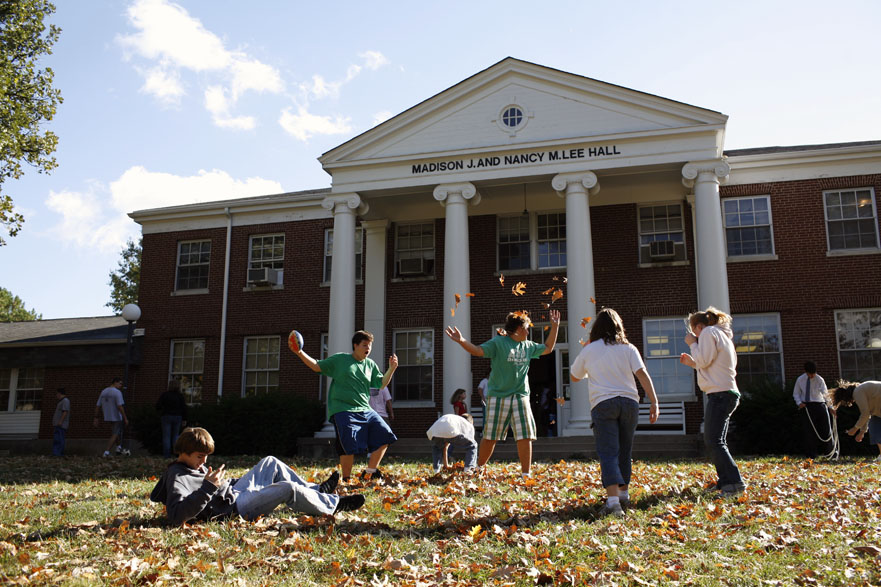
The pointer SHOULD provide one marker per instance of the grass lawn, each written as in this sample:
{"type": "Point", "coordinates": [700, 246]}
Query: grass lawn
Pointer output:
{"type": "Point", "coordinates": [89, 521]}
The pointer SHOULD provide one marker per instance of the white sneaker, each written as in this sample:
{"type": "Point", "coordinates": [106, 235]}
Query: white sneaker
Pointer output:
{"type": "Point", "coordinates": [106, 453]}
{"type": "Point", "coordinates": [123, 451]}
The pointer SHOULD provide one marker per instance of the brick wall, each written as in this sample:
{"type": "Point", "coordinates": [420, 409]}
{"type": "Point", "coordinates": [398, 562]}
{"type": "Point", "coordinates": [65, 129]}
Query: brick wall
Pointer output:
{"type": "Point", "coordinates": [804, 286]}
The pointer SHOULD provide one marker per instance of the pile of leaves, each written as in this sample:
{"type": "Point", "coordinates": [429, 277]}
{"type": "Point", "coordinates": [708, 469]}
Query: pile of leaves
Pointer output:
{"type": "Point", "coordinates": [89, 521]}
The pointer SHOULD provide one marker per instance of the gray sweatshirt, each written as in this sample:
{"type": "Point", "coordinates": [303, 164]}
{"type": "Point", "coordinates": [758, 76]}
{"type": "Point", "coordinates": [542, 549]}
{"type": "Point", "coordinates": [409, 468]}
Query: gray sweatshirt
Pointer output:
{"type": "Point", "coordinates": [187, 495]}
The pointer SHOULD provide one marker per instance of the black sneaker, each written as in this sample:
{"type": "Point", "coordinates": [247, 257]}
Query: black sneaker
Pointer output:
{"type": "Point", "coordinates": [349, 503]}
{"type": "Point", "coordinates": [329, 485]}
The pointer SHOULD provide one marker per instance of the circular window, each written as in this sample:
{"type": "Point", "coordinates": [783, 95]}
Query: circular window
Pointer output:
{"type": "Point", "coordinates": [512, 116]}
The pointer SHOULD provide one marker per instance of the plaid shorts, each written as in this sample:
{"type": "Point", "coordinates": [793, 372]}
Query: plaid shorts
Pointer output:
{"type": "Point", "coordinates": [513, 411]}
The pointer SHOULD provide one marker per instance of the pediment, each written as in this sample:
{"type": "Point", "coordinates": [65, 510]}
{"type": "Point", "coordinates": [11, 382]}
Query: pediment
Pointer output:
{"type": "Point", "coordinates": [558, 106]}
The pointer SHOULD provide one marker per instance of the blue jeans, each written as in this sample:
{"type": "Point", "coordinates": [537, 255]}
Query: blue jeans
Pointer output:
{"type": "Point", "coordinates": [58, 436]}
{"type": "Point", "coordinates": [460, 441]}
{"type": "Point", "coordinates": [170, 432]}
{"type": "Point", "coordinates": [614, 424]}
{"type": "Point", "coordinates": [271, 483]}
{"type": "Point", "coordinates": [717, 415]}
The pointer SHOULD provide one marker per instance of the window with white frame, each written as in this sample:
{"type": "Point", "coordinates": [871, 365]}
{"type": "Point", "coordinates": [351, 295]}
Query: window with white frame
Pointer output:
{"type": "Point", "coordinates": [21, 389]}
{"type": "Point", "coordinates": [193, 261]}
{"type": "Point", "coordinates": [188, 366]}
{"type": "Point", "coordinates": [663, 342]}
{"type": "Point", "coordinates": [851, 220]}
{"type": "Point", "coordinates": [260, 372]}
{"type": "Point", "coordinates": [414, 377]}
{"type": "Point", "coordinates": [759, 349]}
{"type": "Point", "coordinates": [859, 344]}
{"type": "Point", "coordinates": [748, 226]}
{"type": "Point", "coordinates": [266, 252]}
{"type": "Point", "coordinates": [661, 234]}
{"type": "Point", "coordinates": [414, 249]}
{"type": "Point", "coordinates": [531, 241]}
{"type": "Point", "coordinates": [328, 253]}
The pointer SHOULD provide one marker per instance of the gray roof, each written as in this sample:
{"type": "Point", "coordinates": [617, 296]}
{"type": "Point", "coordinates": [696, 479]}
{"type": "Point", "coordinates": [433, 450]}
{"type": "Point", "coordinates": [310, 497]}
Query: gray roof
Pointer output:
{"type": "Point", "coordinates": [108, 329]}
{"type": "Point", "coordinates": [768, 150]}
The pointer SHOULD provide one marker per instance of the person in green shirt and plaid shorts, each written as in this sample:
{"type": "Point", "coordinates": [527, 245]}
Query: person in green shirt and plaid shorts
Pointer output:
{"type": "Point", "coordinates": [507, 397]}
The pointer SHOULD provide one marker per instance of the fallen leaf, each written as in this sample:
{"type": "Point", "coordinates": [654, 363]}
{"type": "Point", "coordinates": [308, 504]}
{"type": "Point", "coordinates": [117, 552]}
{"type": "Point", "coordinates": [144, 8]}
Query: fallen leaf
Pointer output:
{"type": "Point", "coordinates": [585, 321]}
{"type": "Point", "coordinates": [558, 293]}
{"type": "Point", "coordinates": [561, 400]}
{"type": "Point", "coordinates": [469, 295]}
{"type": "Point", "coordinates": [502, 278]}
{"type": "Point", "coordinates": [519, 289]}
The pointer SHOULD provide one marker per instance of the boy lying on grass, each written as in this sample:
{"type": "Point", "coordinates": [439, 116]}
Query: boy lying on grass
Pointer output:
{"type": "Point", "coordinates": [190, 490]}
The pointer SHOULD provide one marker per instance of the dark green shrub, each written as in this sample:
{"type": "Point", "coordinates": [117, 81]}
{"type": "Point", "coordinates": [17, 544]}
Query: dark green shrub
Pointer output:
{"type": "Point", "coordinates": [267, 424]}
{"type": "Point", "coordinates": [768, 422]}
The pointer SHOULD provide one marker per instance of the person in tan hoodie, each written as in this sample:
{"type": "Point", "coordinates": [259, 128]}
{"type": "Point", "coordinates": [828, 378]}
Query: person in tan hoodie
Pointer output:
{"type": "Point", "coordinates": [867, 397]}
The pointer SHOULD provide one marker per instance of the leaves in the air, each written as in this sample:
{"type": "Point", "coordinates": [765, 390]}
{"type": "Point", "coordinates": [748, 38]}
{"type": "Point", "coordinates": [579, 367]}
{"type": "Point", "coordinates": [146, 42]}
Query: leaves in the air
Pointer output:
{"type": "Point", "coordinates": [519, 289]}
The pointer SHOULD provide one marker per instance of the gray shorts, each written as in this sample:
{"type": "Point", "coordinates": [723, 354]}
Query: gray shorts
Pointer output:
{"type": "Point", "coordinates": [118, 428]}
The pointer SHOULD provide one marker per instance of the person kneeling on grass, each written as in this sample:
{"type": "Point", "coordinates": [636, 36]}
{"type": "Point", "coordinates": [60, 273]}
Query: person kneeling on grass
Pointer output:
{"type": "Point", "coordinates": [452, 431]}
{"type": "Point", "coordinates": [190, 490]}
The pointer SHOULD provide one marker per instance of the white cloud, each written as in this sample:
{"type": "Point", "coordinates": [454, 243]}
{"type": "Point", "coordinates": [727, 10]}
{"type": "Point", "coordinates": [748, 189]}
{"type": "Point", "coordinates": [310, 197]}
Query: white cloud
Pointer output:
{"type": "Point", "coordinates": [97, 217]}
{"type": "Point", "coordinates": [141, 189]}
{"type": "Point", "coordinates": [374, 59]}
{"type": "Point", "coordinates": [169, 36]}
{"type": "Point", "coordinates": [303, 124]}
{"type": "Point", "coordinates": [381, 116]}
{"type": "Point", "coordinates": [164, 85]}
{"type": "Point", "coordinates": [218, 105]}
{"type": "Point", "coordinates": [167, 32]}
{"type": "Point", "coordinates": [320, 88]}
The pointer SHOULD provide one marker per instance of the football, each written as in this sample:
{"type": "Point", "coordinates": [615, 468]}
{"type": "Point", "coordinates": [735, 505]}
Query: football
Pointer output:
{"type": "Point", "coordinates": [295, 341]}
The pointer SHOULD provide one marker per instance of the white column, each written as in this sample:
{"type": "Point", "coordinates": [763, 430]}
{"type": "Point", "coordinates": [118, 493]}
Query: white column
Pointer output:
{"type": "Point", "coordinates": [712, 270]}
{"type": "Point", "coordinates": [457, 362]}
{"type": "Point", "coordinates": [375, 233]}
{"type": "Point", "coordinates": [342, 279]}
{"type": "Point", "coordinates": [580, 289]}
{"type": "Point", "coordinates": [342, 276]}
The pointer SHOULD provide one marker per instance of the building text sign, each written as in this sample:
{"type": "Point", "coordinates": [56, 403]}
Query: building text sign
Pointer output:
{"type": "Point", "coordinates": [539, 157]}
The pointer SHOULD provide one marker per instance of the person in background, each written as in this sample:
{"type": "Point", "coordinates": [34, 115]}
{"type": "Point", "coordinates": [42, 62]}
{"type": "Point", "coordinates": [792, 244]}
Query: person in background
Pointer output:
{"type": "Point", "coordinates": [381, 403]}
{"type": "Point", "coordinates": [60, 422]}
{"type": "Point", "coordinates": [172, 408]}
{"type": "Point", "coordinates": [867, 397]}
{"type": "Point", "coordinates": [458, 401]}
{"type": "Point", "coordinates": [809, 394]}
{"type": "Point", "coordinates": [112, 404]}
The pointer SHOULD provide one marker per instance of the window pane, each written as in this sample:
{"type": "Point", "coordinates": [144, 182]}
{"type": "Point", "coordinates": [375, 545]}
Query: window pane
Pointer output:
{"type": "Point", "coordinates": [414, 377]}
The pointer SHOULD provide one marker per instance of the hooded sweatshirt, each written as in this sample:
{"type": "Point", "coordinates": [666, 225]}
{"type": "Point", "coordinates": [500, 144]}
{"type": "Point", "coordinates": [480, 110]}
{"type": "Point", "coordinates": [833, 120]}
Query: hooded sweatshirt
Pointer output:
{"type": "Point", "coordinates": [187, 495]}
{"type": "Point", "coordinates": [716, 359]}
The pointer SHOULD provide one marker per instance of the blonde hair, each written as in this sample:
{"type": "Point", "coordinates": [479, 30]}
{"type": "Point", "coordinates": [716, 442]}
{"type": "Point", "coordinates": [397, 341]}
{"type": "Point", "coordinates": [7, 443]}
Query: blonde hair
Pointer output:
{"type": "Point", "coordinates": [709, 317]}
{"type": "Point", "coordinates": [194, 440]}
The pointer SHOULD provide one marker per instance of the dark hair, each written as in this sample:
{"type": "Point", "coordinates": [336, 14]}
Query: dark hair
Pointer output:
{"type": "Point", "coordinates": [515, 320]}
{"type": "Point", "coordinates": [608, 327]}
{"type": "Point", "coordinates": [456, 394]}
{"type": "Point", "coordinates": [174, 385]}
{"type": "Point", "coordinates": [61, 390]}
{"type": "Point", "coordinates": [194, 440]}
{"type": "Point", "coordinates": [359, 336]}
{"type": "Point", "coordinates": [842, 393]}
{"type": "Point", "coordinates": [810, 367]}
{"type": "Point", "coordinates": [116, 380]}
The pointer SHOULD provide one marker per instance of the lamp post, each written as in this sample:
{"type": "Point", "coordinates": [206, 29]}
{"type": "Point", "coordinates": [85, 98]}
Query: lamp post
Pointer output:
{"type": "Point", "coordinates": [130, 313]}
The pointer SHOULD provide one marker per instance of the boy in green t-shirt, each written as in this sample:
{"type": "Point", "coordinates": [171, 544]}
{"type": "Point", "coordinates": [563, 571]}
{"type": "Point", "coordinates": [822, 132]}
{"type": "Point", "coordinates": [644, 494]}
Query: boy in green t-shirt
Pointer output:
{"type": "Point", "coordinates": [507, 396]}
{"type": "Point", "coordinates": [358, 428]}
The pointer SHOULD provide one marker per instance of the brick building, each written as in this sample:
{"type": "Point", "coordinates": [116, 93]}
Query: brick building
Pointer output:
{"type": "Point", "coordinates": [542, 177]}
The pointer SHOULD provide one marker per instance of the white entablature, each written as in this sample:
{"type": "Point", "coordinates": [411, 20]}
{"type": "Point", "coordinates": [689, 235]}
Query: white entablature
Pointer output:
{"type": "Point", "coordinates": [519, 119]}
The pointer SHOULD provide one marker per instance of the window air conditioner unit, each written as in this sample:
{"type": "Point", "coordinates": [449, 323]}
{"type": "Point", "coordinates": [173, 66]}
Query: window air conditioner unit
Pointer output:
{"type": "Point", "coordinates": [263, 276]}
{"type": "Point", "coordinates": [662, 250]}
{"type": "Point", "coordinates": [411, 266]}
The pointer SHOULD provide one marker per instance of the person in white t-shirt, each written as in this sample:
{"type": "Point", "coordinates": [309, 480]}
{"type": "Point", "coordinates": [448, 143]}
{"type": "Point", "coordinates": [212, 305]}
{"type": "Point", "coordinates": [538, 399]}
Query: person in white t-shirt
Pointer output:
{"type": "Point", "coordinates": [482, 388]}
{"type": "Point", "coordinates": [112, 405]}
{"type": "Point", "coordinates": [381, 402]}
{"type": "Point", "coordinates": [450, 432]}
{"type": "Point", "coordinates": [609, 361]}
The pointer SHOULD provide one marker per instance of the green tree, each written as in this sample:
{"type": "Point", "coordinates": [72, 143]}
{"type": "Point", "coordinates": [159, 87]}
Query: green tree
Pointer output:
{"type": "Point", "coordinates": [12, 308]}
{"type": "Point", "coordinates": [27, 98]}
{"type": "Point", "coordinates": [127, 277]}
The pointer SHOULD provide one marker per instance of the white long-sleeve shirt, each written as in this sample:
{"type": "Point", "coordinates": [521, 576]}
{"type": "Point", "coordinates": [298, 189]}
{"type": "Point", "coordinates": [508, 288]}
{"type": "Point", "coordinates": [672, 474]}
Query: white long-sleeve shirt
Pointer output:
{"type": "Point", "coordinates": [451, 426]}
{"type": "Point", "coordinates": [867, 396]}
{"type": "Point", "coordinates": [715, 359]}
{"type": "Point", "coordinates": [817, 391]}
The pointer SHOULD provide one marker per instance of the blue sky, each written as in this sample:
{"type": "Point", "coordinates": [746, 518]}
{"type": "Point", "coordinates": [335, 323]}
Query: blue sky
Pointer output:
{"type": "Point", "coordinates": [169, 103]}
